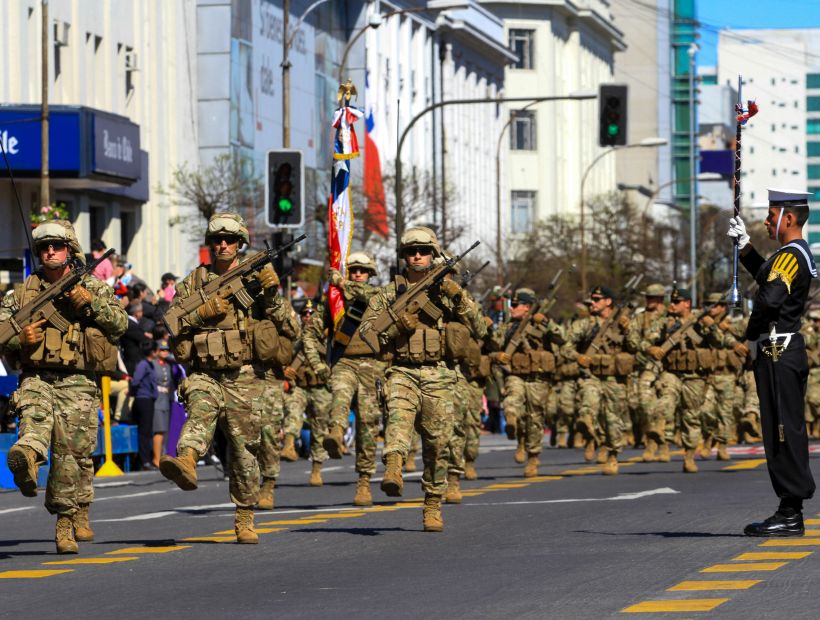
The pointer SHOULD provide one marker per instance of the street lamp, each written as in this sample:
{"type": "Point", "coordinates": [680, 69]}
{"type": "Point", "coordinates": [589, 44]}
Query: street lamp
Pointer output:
{"type": "Point", "coordinates": [693, 187]}
{"type": "Point", "coordinates": [652, 142]}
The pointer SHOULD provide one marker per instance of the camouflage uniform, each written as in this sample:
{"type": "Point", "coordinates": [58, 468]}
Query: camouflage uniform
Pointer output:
{"type": "Point", "coordinates": [314, 396]}
{"type": "Point", "coordinates": [811, 333]}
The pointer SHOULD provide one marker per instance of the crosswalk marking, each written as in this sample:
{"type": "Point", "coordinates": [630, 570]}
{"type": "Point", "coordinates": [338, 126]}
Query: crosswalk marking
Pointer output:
{"type": "Point", "coordinates": [773, 555]}
{"type": "Point", "coordinates": [694, 604]}
{"type": "Point", "coordinates": [91, 561]}
{"type": "Point", "coordinates": [294, 522]}
{"type": "Point", "coordinates": [32, 574]}
{"type": "Point", "coordinates": [138, 550]}
{"type": "Point", "coordinates": [793, 542]}
{"type": "Point", "coordinates": [747, 464]}
{"type": "Point", "coordinates": [743, 568]}
{"type": "Point", "coordinates": [743, 584]}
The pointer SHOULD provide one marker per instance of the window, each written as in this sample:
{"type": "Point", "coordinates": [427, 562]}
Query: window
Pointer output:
{"type": "Point", "coordinates": [522, 43]}
{"type": "Point", "coordinates": [813, 80]}
{"type": "Point", "coordinates": [523, 206]}
{"type": "Point", "coordinates": [710, 79]}
{"type": "Point", "coordinates": [814, 171]}
{"type": "Point", "coordinates": [813, 125]}
{"type": "Point", "coordinates": [813, 104]}
{"type": "Point", "coordinates": [813, 149]}
{"type": "Point", "coordinates": [522, 130]}
{"type": "Point", "coordinates": [814, 189]}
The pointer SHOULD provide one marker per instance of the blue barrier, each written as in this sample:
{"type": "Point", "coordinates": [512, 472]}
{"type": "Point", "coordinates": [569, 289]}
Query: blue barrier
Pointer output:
{"type": "Point", "coordinates": [8, 384]}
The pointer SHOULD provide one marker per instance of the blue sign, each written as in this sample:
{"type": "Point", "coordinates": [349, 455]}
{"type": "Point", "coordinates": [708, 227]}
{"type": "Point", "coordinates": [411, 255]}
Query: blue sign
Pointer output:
{"type": "Point", "coordinates": [116, 147]}
{"type": "Point", "coordinates": [20, 137]}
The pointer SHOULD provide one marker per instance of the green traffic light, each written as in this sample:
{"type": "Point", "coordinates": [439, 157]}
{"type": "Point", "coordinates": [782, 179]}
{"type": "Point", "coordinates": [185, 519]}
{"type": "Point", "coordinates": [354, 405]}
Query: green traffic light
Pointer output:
{"type": "Point", "coordinates": [285, 205]}
{"type": "Point", "coordinates": [613, 130]}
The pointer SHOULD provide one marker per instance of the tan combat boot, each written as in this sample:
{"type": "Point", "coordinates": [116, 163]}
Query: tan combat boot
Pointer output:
{"type": "Point", "coordinates": [432, 514]}
{"type": "Point", "coordinates": [589, 450]}
{"type": "Point", "coordinates": [650, 453]}
{"type": "Point", "coordinates": [723, 452]}
{"type": "Point", "coordinates": [563, 440]}
{"type": "Point", "coordinates": [453, 495]}
{"type": "Point", "coordinates": [509, 428]}
{"type": "Point", "coordinates": [316, 475]}
{"type": "Point", "coordinates": [243, 526]}
{"type": "Point", "coordinates": [706, 448]}
{"type": "Point", "coordinates": [181, 469]}
{"type": "Point", "coordinates": [410, 463]}
{"type": "Point", "coordinates": [392, 483]}
{"type": "Point", "coordinates": [334, 442]}
{"type": "Point", "coordinates": [64, 536]}
{"type": "Point", "coordinates": [266, 494]}
{"type": "Point", "coordinates": [663, 453]}
{"type": "Point", "coordinates": [520, 452]}
{"type": "Point", "coordinates": [22, 462]}
{"type": "Point", "coordinates": [577, 440]}
{"type": "Point", "coordinates": [289, 449]}
{"type": "Point", "coordinates": [469, 471]}
{"type": "Point", "coordinates": [531, 468]}
{"type": "Point", "coordinates": [363, 495]}
{"type": "Point", "coordinates": [603, 455]}
{"type": "Point", "coordinates": [82, 527]}
{"type": "Point", "coordinates": [610, 468]}
{"type": "Point", "coordinates": [689, 465]}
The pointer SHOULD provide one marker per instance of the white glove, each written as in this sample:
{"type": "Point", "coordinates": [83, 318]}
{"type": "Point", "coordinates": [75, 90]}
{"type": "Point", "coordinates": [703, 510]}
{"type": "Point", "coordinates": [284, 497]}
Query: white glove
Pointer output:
{"type": "Point", "coordinates": [737, 230]}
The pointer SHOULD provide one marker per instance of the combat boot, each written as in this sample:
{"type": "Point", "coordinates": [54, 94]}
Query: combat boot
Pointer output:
{"type": "Point", "coordinates": [266, 494]}
{"type": "Point", "coordinates": [64, 536]}
{"type": "Point", "coordinates": [689, 465]}
{"type": "Point", "coordinates": [563, 440]}
{"type": "Point", "coordinates": [723, 453]}
{"type": "Point", "coordinates": [650, 453]}
{"type": "Point", "coordinates": [363, 496]}
{"type": "Point", "coordinates": [577, 440]}
{"type": "Point", "coordinates": [509, 428]}
{"type": "Point", "coordinates": [520, 452]}
{"type": "Point", "coordinates": [663, 453]}
{"type": "Point", "coordinates": [589, 450]}
{"type": "Point", "coordinates": [316, 475]}
{"type": "Point", "coordinates": [531, 468]}
{"type": "Point", "coordinates": [334, 442]}
{"type": "Point", "coordinates": [584, 425]}
{"type": "Point", "coordinates": [181, 469]}
{"type": "Point", "coordinates": [453, 490]}
{"type": "Point", "coordinates": [603, 455]}
{"type": "Point", "coordinates": [610, 468]}
{"type": "Point", "coordinates": [706, 448]}
{"type": "Point", "coordinates": [22, 462]}
{"type": "Point", "coordinates": [243, 526]}
{"type": "Point", "coordinates": [469, 471]}
{"type": "Point", "coordinates": [82, 527]}
{"type": "Point", "coordinates": [392, 483]}
{"type": "Point", "coordinates": [410, 463]}
{"type": "Point", "coordinates": [432, 514]}
{"type": "Point", "coordinates": [289, 449]}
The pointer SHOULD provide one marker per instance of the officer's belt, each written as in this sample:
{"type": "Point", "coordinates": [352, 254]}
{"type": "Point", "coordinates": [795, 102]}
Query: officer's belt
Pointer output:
{"type": "Point", "coordinates": [775, 344]}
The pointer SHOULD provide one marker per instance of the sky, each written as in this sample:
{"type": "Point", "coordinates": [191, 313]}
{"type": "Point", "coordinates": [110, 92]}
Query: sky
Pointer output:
{"type": "Point", "coordinates": [718, 14]}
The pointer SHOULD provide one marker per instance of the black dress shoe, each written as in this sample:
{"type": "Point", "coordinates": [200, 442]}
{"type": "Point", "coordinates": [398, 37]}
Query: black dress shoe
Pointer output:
{"type": "Point", "coordinates": [778, 525]}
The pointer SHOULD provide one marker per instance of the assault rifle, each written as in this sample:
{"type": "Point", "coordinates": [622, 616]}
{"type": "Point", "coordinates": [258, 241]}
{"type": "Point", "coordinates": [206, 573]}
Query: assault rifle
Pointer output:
{"type": "Point", "coordinates": [518, 335]}
{"type": "Point", "coordinates": [467, 276]}
{"type": "Point", "coordinates": [602, 335]}
{"type": "Point", "coordinates": [687, 329]}
{"type": "Point", "coordinates": [42, 306]}
{"type": "Point", "coordinates": [412, 300]}
{"type": "Point", "coordinates": [230, 284]}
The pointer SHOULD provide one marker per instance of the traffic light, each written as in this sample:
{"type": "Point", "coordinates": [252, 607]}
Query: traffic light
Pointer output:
{"type": "Point", "coordinates": [283, 263]}
{"type": "Point", "coordinates": [284, 189]}
{"type": "Point", "coordinates": [612, 115]}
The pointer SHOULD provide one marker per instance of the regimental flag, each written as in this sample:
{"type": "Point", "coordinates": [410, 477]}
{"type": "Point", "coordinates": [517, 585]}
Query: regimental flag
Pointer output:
{"type": "Point", "coordinates": [375, 215]}
{"type": "Point", "coordinates": [340, 209]}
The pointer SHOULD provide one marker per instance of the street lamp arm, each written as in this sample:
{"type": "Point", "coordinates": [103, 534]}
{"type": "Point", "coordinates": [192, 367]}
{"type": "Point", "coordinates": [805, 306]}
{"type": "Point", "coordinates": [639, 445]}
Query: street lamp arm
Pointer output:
{"type": "Point", "coordinates": [292, 35]}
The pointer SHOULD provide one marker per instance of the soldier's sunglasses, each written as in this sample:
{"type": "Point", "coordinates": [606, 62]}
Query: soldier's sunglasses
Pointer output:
{"type": "Point", "coordinates": [54, 245]}
{"type": "Point", "coordinates": [358, 270]}
{"type": "Point", "coordinates": [514, 304]}
{"type": "Point", "coordinates": [229, 239]}
{"type": "Point", "coordinates": [420, 249]}
{"type": "Point", "coordinates": [597, 298]}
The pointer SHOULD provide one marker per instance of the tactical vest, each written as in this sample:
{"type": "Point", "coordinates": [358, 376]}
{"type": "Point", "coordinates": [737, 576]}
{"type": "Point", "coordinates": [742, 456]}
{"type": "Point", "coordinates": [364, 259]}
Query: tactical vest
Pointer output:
{"type": "Point", "coordinates": [70, 341]}
{"type": "Point", "coordinates": [687, 359]}
{"type": "Point", "coordinates": [531, 358]}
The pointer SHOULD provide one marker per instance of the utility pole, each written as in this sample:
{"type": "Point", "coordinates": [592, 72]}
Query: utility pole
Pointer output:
{"type": "Point", "coordinates": [44, 196]}
{"type": "Point", "coordinates": [285, 75]}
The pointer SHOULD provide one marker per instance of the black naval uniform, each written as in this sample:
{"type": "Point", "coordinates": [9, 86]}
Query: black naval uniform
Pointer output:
{"type": "Point", "coordinates": [784, 280]}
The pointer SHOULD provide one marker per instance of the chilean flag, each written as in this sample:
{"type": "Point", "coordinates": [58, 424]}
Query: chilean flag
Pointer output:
{"type": "Point", "coordinates": [375, 219]}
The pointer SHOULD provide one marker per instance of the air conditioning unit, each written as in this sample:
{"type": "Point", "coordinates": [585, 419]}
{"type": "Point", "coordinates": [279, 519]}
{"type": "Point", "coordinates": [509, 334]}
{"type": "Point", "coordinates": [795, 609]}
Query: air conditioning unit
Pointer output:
{"type": "Point", "coordinates": [131, 61]}
{"type": "Point", "coordinates": [61, 33]}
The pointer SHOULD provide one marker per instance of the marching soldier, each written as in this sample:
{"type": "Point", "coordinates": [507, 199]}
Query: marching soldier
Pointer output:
{"type": "Point", "coordinates": [354, 376]}
{"type": "Point", "coordinates": [229, 346]}
{"type": "Point", "coordinates": [781, 365]}
{"type": "Point", "coordinates": [58, 398]}
{"type": "Point", "coordinates": [423, 345]}
{"type": "Point", "coordinates": [811, 333]}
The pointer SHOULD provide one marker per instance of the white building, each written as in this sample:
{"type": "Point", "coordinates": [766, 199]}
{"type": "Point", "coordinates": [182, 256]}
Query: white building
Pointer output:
{"type": "Point", "coordinates": [130, 58]}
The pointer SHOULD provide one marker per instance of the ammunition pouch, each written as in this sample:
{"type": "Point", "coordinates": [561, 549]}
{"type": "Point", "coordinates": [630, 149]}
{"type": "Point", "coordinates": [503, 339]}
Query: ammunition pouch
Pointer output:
{"type": "Point", "coordinates": [456, 341]}
{"type": "Point", "coordinates": [56, 349]}
{"type": "Point", "coordinates": [424, 345]}
{"type": "Point", "coordinates": [269, 346]}
{"type": "Point", "coordinates": [183, 347]}
{"type": "Point", "coordinates": [706, 359]}
{"type": "Point", "coordinates": [533, 361]}
{"type": "Point", "coordinates": [624, 364]}
{"type": "Point", "coordinates": [568, 370]}
{"type": "Point", "coordinates": [602, 365]}
{"type": "Point", "coordinates": [220, 349]}
{"type": "Point", "coordinates": [357, 347]}
{"type": "Point", "coordinates": [100, 352]}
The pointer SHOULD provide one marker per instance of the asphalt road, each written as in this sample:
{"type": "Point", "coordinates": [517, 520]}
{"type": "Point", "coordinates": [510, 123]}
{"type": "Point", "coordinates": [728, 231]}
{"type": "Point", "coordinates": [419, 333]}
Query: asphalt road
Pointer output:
{"type": "Point", "coordinates": [569, 544]}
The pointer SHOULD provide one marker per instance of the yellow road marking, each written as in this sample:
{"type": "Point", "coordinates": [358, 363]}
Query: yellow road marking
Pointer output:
{"type": "Point", "coordinates": [812, 533]}
{"type": "Point", "coordinates": [693, 604]}
{"type": "Point", "coordinates": [774, 555]}
{"type": "Point", "coordinates": [811, 522]}
{"type": "Point", "coordinates": [743, 568]}
{"type": "Point", "coordinates": [294, 522]}
{"type": "Point", "coordinates": [634, 459]}
{"type": "Point", "coordinates": [472, 493]}
{"type": "Point", "coordinates": [747, 464]}
{"type": "Point", "coordinates": [581, 472]}
{"type": "Point", "coordinates": [545, 478]}
{"type": "Point", "coordinates": [381, 509]}
{"type": "Point", "coordinates": [215, 539]}
{"type": "Point", "coordinates": [337, 515]}
{"type": "Point", "coordinates": [138, 550]}
{"type": "Point", "coordinates": [92, 561]}
{"type": "Point", "coordinates": [259, 530]}
{"type": "Point", "coordinates": [508, 485]}
{"type": "Point", "coordinates": [32, 574]}
{"type": "Point", "coordinates": [743, 584]}
{"type": "Point", "coordinates": [792, 542]}
{"type": "Point", "coordinates": [410, 505]}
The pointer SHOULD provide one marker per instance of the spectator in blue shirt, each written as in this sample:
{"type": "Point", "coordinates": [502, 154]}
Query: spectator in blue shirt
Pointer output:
{"type": "Point", "coordinates": [144, 390]}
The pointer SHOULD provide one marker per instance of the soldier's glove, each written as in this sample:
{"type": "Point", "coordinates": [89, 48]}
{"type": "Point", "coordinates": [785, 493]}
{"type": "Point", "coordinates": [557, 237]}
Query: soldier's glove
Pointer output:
{"type": "Point", "coordinates": [450, 288]}
{"type": "Point", "coordinates": [488, 322]}
{"type": "Point", "coordinates": [656, 352]}
{"type": "Point", "coordinates": [32, 334]}
{"type": "Point", "coordinates": [290, 373]}
{"type": "Point", "coordinates": [267, 277]}
{"type": "Point", "coordinates": [725, 324]}
{"type": "Point", "coordinates": [623, 322]}
{"type": "Point", "coordinates": [539, 318]}
{"type": "Point", "coordinates": [323, 372]}
{"type": "Point", "coordinates": [80, 297]}
{"type": "Point", "coordinates": [500, 357]}
{"type": "Point", "coordinates": [408, 322]}
{"type": "Point", "coordinates": [585, 361]}
{"type": "Point", "coordinates": [707, 321]}
{"type": "Point", "coordinates": [214, 308]}
{"type": "Point", "coordinates": [737, 230]}
{"type": "Point", "coordinates": [335, 277]}
{"type": "Point", "coordinates": [741, 349]}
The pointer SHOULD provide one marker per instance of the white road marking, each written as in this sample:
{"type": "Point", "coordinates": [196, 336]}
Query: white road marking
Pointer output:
{"type": "Point", "coordinates": [118, 483]}
{"type": "Point", "coordinates": [126, 496]}
{"type": "Point", "coordinates": [8, 510]}
{"type": "Point", "coordinates": [620, 496]}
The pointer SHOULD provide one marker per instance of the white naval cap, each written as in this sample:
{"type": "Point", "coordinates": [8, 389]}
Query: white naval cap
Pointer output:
{"type": "Point", "coordinates": [788, 197]}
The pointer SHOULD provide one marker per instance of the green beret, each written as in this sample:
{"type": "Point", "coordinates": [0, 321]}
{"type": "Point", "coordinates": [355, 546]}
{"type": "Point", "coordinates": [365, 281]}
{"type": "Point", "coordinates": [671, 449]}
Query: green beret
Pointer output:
{"type": "Point", "coordinates": [679, 294]}
{"type": "Point", "coordinates": [603, 291]}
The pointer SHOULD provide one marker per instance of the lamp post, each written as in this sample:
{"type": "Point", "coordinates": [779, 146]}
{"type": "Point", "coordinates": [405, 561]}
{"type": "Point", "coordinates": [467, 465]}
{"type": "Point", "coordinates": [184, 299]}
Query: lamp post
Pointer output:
{"type": "Point", "coordinates": [645, 143]}
{"type": "Point", "coordinates": [693, 187]}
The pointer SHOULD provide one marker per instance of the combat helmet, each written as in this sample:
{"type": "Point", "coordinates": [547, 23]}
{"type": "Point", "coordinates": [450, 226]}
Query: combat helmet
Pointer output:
{"type": "Point", "coordinates": [363, 260]}
{"type": "Point", "coordinates": [58, 230]}
{"type": "Point", "coordinates": [420, 236]}
{"type": "Point", "coordinates": [227, 224]}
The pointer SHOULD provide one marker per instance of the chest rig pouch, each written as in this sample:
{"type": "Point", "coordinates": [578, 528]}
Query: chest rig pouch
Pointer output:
{"type": "Point", "coordinates": [224, 344]}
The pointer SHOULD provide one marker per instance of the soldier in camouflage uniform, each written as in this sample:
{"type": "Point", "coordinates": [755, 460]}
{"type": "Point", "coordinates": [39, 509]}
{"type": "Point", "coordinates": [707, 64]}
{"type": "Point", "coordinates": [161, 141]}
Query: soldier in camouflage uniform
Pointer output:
{"type": "Point", "coordinates": [597, 345]}
{"type": "Point", "coordinates": [811, 333]}
{"type": "Point", "coordinates": [354, 376]}
{"type": "Point", "coordinates": [229, 348]}
{"type": "Point", "coordinates": [57, 399]}
{"type": "Point", "coordinates": [529, 368]}
{"type": "Point", "coordinates": [420, 382]}
{"type": "Point", "coordinates": [568, 375]}
{"type": "Point", "coordinates": [311, 393]}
